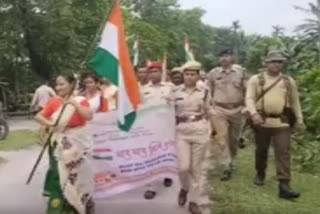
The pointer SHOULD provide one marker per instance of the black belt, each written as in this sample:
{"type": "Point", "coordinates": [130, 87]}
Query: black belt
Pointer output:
{"type": "Point", "coordinates": [269, 115]}
{"type": "Point", "coordinates": [185, 119]}
{"type": "Point", "coordinates": [273, 115]}
{"type": "Point", "coordinates": [229, 105]}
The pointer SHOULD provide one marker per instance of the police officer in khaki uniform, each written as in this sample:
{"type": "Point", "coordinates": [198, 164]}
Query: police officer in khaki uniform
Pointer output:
{"type": "Point", "coordinates": [271, 122]}
{"type": "Point", "coordinates": [156, 93]}
{"type": "Point", "coordinates": [227, 86]}
{"type": "Point", "coordinates": [176, 76]}
{"type": "Point", "coordinates": [142, 76]}
{"type": "Point", "coordinates": [192, 104]}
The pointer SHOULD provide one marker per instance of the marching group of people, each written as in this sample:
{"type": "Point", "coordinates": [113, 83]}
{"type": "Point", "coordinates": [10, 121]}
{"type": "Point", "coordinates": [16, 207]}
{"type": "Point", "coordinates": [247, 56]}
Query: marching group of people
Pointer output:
{"type": "Point", "coordinates": [209, 108]}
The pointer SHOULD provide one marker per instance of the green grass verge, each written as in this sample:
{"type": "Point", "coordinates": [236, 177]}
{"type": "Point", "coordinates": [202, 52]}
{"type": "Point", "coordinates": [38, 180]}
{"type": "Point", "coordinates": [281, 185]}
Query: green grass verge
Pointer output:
{"type": "Point", "coordinates": [19, 140]}
{"type": "Point", "coordinates": [241, 196]}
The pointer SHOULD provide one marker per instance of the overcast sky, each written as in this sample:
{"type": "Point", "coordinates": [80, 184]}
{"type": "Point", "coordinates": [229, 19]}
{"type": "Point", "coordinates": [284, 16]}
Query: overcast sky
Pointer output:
{"type": "Point", "coordinates": [255, 16]}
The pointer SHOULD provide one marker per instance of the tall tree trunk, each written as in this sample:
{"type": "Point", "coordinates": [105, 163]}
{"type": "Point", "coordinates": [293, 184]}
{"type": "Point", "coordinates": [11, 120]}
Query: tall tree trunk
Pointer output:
{"type": "Point", "coordinates": [39, 66]}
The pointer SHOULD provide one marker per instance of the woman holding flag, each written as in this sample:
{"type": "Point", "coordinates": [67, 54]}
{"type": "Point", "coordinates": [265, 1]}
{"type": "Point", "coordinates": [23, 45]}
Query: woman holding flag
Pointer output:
{"type": "Point", "coordinates": [69, 183]}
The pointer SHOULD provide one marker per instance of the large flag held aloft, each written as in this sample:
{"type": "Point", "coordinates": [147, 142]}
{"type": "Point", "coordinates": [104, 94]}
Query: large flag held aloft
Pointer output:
{"type": "Point", "coordinates": [188, 50]}
{"type": "Point", "coordinates": [112, 61]}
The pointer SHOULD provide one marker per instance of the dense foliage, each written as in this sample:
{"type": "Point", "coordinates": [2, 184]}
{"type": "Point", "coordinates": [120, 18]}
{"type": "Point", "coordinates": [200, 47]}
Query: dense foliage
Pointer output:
{"type": "Point", "coordinates": [40, 38]}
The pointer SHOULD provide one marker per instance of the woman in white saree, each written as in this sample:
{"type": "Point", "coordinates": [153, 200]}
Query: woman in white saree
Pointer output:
{"type": "Point", "coordinates": [69, 183]}
{"type": "Point", "coordinates": [93, 93]}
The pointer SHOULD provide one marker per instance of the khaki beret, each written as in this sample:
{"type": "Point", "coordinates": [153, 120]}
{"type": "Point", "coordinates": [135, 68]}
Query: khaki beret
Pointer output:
{"type": "Point", "coordinates": [275, 55]}
{"type": "Point", "coordinates": [191, 65]}
{"type": "Point", "coordinates": [176, 70]}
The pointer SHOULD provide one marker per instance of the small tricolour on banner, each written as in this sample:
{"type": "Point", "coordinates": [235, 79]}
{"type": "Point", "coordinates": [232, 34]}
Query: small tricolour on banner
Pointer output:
{"type": "Point", "coordinates": [112, 61]}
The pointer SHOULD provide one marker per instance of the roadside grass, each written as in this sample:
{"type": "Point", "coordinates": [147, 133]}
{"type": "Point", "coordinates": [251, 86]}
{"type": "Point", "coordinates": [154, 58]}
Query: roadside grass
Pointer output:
{"type": "Point", "coordinates": [19, 140]}
{"type": "Point", "coordinates": [241, 196]}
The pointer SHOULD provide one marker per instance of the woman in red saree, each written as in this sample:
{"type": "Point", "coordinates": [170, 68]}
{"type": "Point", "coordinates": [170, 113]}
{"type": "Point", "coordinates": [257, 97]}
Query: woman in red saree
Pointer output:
{"type": "Point", "coordinates": [69, 183]}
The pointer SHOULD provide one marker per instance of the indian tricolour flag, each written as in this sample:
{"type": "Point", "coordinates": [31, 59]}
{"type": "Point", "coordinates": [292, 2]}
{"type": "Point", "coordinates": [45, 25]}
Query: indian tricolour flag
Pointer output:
{"type": "Point", "coordinates": [112, 61]}
{"type": "Point", "coordinates": [188, 51]}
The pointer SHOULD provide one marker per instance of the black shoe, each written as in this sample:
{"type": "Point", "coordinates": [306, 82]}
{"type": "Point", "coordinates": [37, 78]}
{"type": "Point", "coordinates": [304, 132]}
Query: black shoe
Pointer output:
{"type": "Point", "coordinates": [242, 143]}
{"type": "Point", "coordinates": [259, 180]}
{"type": "Point", "coordinates": [167, 182]}
{"type": "Point", "coordinates": [194, 208]}
{"type": "Point", "coordinates": [285, 191]}
{"type": "Point", "coordinates": [149, 195]}
{"type": "Point", "coordinates": [183, 197]}
{"type": "Point", "coordinates": [226, 175]}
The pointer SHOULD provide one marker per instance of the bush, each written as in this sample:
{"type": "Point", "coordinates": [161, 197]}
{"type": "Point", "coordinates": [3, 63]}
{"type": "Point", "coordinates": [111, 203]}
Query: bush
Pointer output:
{"type": "Point", "coordinates": [307, 147]}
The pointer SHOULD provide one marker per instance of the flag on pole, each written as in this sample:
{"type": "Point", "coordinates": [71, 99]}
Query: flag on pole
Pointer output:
{"type": "Point", "coordinates": [136, 52]}
{"type": "Point", "coordinates": [164, 67]}
{"type": "Point", "coordinates": [188, 51]}
{"type": "Point", "coordinates": [112, 61]}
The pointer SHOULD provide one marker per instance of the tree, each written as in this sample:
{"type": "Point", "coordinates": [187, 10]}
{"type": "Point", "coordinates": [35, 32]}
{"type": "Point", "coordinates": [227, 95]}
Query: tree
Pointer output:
{"type": "Point", "coordinates": [41, 38]}
{"type": "Point", "coordinates": [278, 31]}
{"type": "Point", "coordinates": [310, 30]}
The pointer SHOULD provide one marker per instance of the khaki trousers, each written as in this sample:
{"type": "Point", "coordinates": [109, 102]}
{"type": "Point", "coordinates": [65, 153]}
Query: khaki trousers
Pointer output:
{"type": "Point", "coordinates": [206, 185]}
{"type": "Point", "coordinates": [191, 155]}
{"type": "Point", "coordinates": [280, 138]}
{"type": "Point", "coordinates": [228, 129]}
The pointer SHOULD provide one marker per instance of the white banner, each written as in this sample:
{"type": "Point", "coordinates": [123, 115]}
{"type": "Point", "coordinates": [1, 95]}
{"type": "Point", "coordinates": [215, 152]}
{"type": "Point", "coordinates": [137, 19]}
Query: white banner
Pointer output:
{"type": "Point", "coordinates": [125, 161]}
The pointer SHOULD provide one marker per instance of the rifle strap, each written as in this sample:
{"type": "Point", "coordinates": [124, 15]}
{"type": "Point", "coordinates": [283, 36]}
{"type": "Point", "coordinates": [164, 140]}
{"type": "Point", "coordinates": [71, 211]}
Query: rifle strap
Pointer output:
{"type": "Point", "coordinates": [262, 82]}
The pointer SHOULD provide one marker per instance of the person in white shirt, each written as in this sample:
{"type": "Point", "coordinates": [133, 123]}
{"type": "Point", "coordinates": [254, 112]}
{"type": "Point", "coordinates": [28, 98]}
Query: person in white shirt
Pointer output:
{"type": "Point", "coordinates": [41, 97]}
{"type": "Point", "coordinates": [92, 92]}
{"type": "Point", "coordinates": [110, 92]}
{"type": "Point", "coordinates": [202, 82]}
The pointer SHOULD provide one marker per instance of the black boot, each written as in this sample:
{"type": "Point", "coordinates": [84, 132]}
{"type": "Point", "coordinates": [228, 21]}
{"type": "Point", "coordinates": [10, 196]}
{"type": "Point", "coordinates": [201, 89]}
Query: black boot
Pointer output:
{"type": "Point", "coordinates": [183, 197]}
{"type": "Point", "coordinates": [259, 179]}
{"type": "Point", "coordinates": [194, 208]}
{"type": "Point", "coordinates": [242, 143]}
{"type": "Point", "coordinates": [149, 195]}
{"type": "Point", "coordinates": [285, 191]}
{"type": "Point", "coordinates": [167, 182]}
{"type": "Point", "coordinates": [227, 174]}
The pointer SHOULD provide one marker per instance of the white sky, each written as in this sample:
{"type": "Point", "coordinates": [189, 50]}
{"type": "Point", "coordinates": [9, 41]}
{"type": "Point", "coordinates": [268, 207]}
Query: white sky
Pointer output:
{"type": "Point", "coordinates": [255, 16]}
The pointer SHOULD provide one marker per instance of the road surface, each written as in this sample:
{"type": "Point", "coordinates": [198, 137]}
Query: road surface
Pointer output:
{"type": "Point", "coordinates": [22, 123]}
{"type": "Point", "coordinates": [17, 198]}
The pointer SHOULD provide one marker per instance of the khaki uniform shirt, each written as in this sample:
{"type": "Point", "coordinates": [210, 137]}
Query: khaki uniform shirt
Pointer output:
{"type": "Point", "coordinates": [192, 103]}
{"type": "Point", "coordinates": [157, 94]}
{"type": "Point", "coordinates": [274, 100]}
{"type": "Point", "coordinates": [227, 87]}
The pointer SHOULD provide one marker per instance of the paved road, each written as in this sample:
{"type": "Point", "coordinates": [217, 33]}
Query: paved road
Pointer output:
{"type": "Point", "coordinates": [17, 198]}
{"type": "Point", "coordinates": [22, 123]}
